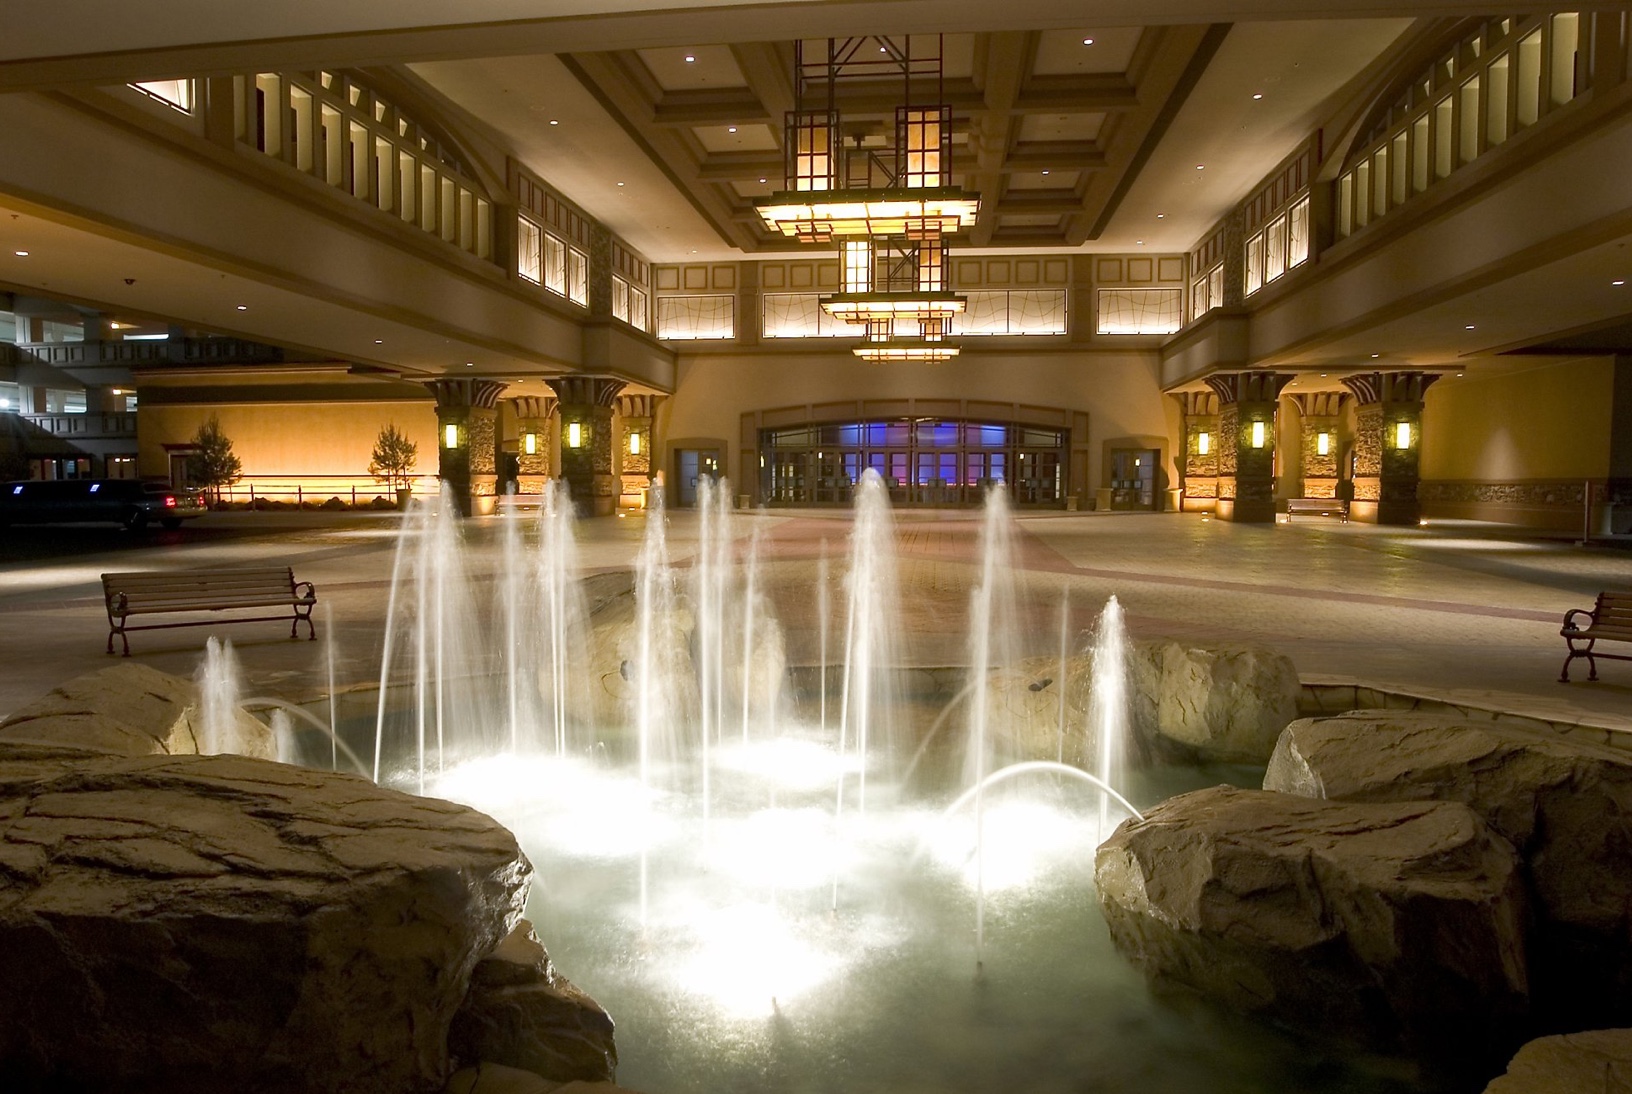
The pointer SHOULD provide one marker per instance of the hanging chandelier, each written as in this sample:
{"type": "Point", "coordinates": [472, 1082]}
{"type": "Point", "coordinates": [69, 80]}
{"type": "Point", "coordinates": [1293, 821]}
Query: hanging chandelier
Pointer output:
{"type": "Point", "coordinates": [889, 207]}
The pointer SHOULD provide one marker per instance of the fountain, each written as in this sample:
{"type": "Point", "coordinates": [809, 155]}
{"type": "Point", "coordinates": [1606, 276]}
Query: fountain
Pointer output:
{"type": "Point", "coordinates": [219, 687]}
{"type": "Point", "coordinates": [697, 844]}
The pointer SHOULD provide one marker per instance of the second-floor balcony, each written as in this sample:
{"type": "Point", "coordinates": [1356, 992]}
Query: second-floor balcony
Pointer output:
{"type": "Point", "coordinates": [92, 426]}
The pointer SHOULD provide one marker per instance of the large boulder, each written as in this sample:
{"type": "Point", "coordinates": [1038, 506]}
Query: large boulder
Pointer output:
{"type": "Point", "coordinates": [1184, 701]}
{"type": "Point", "coordinates": [128, 709]}
{"type": "Point", "coordinates": [614, 658]}
{"type": "Point", "coordinates": [1566, 806]}
{"type": "Point", "coordinates": [1400, 926]}
{"type": "Point", "coordinates": [1598, 1061]}
{"type": "Point", "coordinates": [208, 923]}
{"type": "Point", "coordinates": [521, 1013]}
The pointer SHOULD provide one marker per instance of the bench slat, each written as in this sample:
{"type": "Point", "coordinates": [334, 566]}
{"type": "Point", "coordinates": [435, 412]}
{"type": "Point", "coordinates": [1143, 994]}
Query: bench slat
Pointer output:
{"type": "Point", "coordinates": [149, 593]}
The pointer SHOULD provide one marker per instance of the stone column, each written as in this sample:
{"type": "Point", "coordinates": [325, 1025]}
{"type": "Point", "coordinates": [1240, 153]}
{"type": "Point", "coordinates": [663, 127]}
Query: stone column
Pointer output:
{"type": "Point", "coordinates": [1198, 466]}
{"type": "Point", "coordinates": [638, 412]}
{"type": "Point", "coordinates": [468, 408]}
{"type": "Point", "coordinates": [1322, 414]}
{"type": "Point", "coordinates": [586, 402]}
{"type": "Point", "coordinates": [533, 414]}
{"type": "Point", "coordinates": [1387, 445]}
{"type": "Point", "coordinates": [1246, 443]}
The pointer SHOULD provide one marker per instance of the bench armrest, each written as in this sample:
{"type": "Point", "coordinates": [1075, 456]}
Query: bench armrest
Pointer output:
{"type": "Point", "coordinates": [309, 594]}
{"type": "Point", "coordinates": [118, 605]}
{"type": "Point", "coordinates": [1569, 618]}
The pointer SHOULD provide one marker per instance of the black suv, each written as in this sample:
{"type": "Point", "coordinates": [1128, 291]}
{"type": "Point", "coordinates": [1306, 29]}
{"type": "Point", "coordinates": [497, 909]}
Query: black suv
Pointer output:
{"type": "Point", "coordinates": [130, 502]}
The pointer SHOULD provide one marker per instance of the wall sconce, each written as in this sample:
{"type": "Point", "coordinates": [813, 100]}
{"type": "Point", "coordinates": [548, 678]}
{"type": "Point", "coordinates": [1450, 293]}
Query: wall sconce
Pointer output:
{"type": "Point", "coordinates": [1257, 434]}
{"type": "Point", "coordinates": [450, 436]}
{"type": "Point", "coordinates": [1323, 444]}
{"type": "Point", "coordinates": [529, 443]}
{"type": "Point", "coordinates": [1204, 443]}
{"type": "Point", "coordinates": [634, 444]}
{"type": "Point", "coordinates": [575, 435]}
{"type": "Point", "coordinates": [1402, 435]}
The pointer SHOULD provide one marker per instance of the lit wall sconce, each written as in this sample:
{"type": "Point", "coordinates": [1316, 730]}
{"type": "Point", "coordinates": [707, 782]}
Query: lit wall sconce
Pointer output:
{"type": "Point", "coordinates": [575, 435]}
{"type": "Point", "coordinates": [1323, 444]}
{"type": "Point", "coordinates": [634, 444]}
{"type": "Point", "coordinates": [450, 436]}
{"type": "Point", "coordinates": [1204, 443]}
{"type": "Point", "coordinates": [1257, 434]}
{"type": "Point", "coordinates": [1402, 435]}
{"type": "Point", "coordinates": [529, 443]}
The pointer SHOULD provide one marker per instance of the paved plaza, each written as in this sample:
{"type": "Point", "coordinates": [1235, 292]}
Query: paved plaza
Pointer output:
{"type": "Point", "coordinates": [1462, 611]}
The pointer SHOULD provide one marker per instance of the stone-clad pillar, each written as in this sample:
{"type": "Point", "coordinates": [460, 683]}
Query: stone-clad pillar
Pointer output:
{"type": "Point", "coordinates": [1246, 434]}
{"type": "Point", "coordinates": [467, 441]}
{"type": "Point", "coordinates": [533, 414]}
{"type": "Point", "coordinates": [1387, 445]}
{"type": "Point", "coordinates": [1199, 464]}
{"type": "Point", "coordinates": [637, 413]}
{"type": "Point", "coordinates": [585, 406]}
{"type": "Point", "coordinates": [1322, 413]}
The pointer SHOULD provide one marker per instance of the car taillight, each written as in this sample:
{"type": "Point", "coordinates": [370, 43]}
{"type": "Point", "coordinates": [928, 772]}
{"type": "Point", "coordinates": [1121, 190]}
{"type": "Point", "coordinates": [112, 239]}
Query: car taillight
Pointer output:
{"type": "Point", "coordinates": [169, 501]}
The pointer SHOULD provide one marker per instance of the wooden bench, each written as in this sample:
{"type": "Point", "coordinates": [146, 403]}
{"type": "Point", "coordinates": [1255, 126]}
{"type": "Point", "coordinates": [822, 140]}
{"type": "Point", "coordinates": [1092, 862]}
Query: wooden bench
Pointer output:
{"type": "Point", "coordinates": [242, 589]}
{"type": "Point", "coordinates": [1318, 507]}
{"type": "Point", "coordinates": [1610, 620]}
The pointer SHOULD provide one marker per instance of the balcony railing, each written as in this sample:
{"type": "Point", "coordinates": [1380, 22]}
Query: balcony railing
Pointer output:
{"type": "Point", "coordinates": [115, 426]}
{"type": "Point", "coordinates": [224, 351]}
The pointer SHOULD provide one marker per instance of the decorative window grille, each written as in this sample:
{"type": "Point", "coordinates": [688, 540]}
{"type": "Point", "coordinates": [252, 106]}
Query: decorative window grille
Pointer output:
{"type": "Point", "coordinates": [530, 251]}
{"type": "Point", "coordinates": [545, 259]}
{"type": "Point", "coordinates": [1140, 311]}
{"type": "Point", "coordinates": [1281, 245]}
{"type": "Point", "coordinates": [628, 302]}
{"type": "Point", "coordinates": [924, 141]}
{"type": "Point", "coordinates": [800, 315]}
{"type": "Point", "coordinates": [810, 143]}
{"type": "Point", "coordinates": [687, 318]}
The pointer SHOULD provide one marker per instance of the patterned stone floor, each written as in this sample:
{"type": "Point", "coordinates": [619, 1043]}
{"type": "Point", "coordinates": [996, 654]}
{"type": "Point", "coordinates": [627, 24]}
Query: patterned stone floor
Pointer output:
{"type": "Point", "coordinates": [1460, 610]}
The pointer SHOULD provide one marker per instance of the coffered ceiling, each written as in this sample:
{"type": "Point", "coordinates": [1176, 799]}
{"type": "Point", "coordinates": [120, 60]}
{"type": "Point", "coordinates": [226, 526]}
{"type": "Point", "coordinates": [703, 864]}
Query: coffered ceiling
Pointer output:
{"type": "Point", "coordinates": [1049, 126]}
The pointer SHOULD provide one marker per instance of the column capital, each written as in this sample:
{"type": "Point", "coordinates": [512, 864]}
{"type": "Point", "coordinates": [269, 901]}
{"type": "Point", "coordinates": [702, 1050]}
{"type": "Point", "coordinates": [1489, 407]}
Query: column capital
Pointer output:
{"type": "Point", "coordinates": [1320, 404]}
{"type": "Point", "coordinates": [578, 390]}
{"type": "Point", "coordinates": [1251, 386]}
{"type": "Point", "coordinates": [1371, 388]}
{"type": "Point", "coordinates": [467, 392]}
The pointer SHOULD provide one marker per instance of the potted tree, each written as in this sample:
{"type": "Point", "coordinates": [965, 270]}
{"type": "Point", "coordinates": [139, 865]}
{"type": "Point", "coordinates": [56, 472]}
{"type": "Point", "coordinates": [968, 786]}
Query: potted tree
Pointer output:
{"type": "Point", "coordinates": [212, 464]}
{"type": "Point", "coordinates": [393, 462]}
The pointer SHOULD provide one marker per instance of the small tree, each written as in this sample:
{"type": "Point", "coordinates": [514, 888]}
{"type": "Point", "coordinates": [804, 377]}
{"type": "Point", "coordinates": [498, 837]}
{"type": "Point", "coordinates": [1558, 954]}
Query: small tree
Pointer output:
{"type": "Point", "coordinates": [394, 458]}
{"type": "Point", "coordinates": [212, 464]}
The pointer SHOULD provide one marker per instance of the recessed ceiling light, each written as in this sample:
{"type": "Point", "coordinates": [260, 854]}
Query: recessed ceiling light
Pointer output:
{"type": "Point", "coordinates": [1160, 216]}
{"type": "Point", "coordinates": [555, 121]}
{"type": "Point", "coordinates": [1617, 284]}
{"type": "Point", "coordinates": [881, 49]}
{"type": "Point", "coordinates": [689, 58]}
{"type": "Point", "coordinates": [1045, 170]}
{"type": "Point", "coordinates": [761, 180]}
{"type": "Point", "coordinates": [1201, 167]}
{"type": "Point", "coordinates": [1087, 41]}
{"type": "Point", "coordinates": [20, 254]}
{"type": "Point", "coordinates": [470, 364]}
{"type": "Point", "coordinates": [1459, 376]}
{"type": "Point", "coordinates": [730, 129]}
{"type": "Point", "coordinates": [1376, 355]}
{"type": "Point", "coordinates": [1324, 374]}
{"type": "Point", "coordinates": [379, 341]}
{"type": "Point", "coordinates": [620, 184]}
{"type": "Point", "coordinates": [1258, 95]}
{"type": "Point", "coordinates": [243, 307]}
{"type": "Point", "coordinates": [1468, 327]}
{"type": "Point", "coordinates": [1140, 242]}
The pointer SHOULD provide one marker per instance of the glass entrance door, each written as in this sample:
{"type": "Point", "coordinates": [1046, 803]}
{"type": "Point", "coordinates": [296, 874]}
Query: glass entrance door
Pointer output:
{"type": "Point", "coordinates": [695, 464]}
{"type": "Point", "coordinates": [1133, 478]}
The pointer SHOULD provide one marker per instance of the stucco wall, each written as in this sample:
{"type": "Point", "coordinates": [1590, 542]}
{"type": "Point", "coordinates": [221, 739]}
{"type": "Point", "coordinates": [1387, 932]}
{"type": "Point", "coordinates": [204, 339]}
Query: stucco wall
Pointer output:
{"type": "Point", "coordinates": [283, 439]}
{"type": "Point", "coordinates": [1517, 445]}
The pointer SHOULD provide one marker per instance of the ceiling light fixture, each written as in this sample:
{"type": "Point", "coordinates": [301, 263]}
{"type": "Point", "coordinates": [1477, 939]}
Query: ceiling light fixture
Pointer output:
{"type": "Point", "coordinates": [243, 307]}
{"type": "Point", "coordinates": [20, 254]}
{"type": "Point", "coordinates": [1201, 167]}
{"type": "Point", "coordinates": [379, 341]}
{"type": "Point", "coordinates": [889, 210]}
{"type": "Point", "coordinates": [1617, 284]}
{"type": "Point", "coordinates": [1160, 216]}
{"type": "Point", "coordinates": [1087, 41]}
{"type": "Point", "coordinates": [1045, 170]}
{"type": "Point", "coordinates": [690, 58]}
{"type": "Point", "coordinates": [1257, 95]}
{"type": "Point", "coordinates": [555, 121]}
{"type": "Point", "coordinates": [1468, 327]}
{"type": "Point", "coordinates": [731, 129]}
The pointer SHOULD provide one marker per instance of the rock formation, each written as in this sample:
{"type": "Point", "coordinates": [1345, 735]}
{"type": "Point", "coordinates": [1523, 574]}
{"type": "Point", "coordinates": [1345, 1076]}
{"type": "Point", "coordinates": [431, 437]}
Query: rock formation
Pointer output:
{"type": "Point", "coordinates": [1566, 806]}
{"type": "Point", "coordinates": [126, 709]}
{"type": "Point", "coordinates": [1185, 702]}
{"type": "Point", "coordinates": [209, 923]}
{"type": "Point", "coordinates": [1400, 925]}
{"type": "Point", "coordinates": [521, 1013]}
{"type": "Point", "coordinates": [1595, 1062]}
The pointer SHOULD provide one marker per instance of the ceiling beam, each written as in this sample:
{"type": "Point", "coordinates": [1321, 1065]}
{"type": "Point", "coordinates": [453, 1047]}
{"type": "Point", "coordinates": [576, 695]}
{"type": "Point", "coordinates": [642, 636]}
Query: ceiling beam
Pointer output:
{"type": "Point", "coordinates": [1003, 61]}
